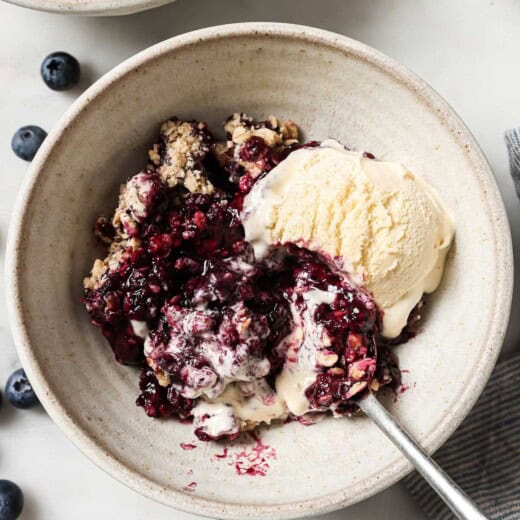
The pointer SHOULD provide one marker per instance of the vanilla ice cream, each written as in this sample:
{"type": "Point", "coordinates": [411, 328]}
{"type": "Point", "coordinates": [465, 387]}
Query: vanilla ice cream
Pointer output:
{"type": "Point", "coordinates": [384, 225]}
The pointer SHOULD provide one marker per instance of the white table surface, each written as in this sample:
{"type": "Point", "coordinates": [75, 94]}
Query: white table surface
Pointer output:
{"type": "Point", "coordinates": [466, 49]}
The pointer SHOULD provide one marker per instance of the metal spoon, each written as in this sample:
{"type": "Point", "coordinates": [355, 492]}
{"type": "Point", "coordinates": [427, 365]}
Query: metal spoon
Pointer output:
{"type": "Point", "coordinates": [453, 496]}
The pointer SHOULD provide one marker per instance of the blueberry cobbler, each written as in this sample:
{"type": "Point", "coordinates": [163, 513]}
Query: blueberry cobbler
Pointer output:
{"type": "Point", "coordinates": [259, 279]}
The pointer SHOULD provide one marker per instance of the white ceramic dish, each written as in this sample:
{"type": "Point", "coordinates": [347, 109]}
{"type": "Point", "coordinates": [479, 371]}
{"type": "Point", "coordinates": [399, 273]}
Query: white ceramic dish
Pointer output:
{"type": "Point", "coordinates": [332, 86]}
{"type": "Point", "coordinates": [91, 7]}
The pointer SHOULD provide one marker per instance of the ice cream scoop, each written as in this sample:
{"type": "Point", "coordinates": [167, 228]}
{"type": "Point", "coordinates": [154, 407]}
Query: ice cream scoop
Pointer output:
{"type": "Point", "coordinates": [382, 224]}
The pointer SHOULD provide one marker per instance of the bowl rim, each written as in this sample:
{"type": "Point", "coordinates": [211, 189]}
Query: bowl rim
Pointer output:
{"type": "Point", "coordinates": [90, 7]}
{"type": "Point", "coordinates": [331, 501]}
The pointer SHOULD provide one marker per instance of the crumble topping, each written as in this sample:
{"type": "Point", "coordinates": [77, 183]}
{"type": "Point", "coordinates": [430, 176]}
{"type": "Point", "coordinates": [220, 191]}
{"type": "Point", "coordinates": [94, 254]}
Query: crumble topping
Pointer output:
{"type": "Point", "coordinates": [241, 128]}
{"type": "Point", "coordinates": [117, 251]}
{"type": "Point", "coordinates": [179, 155]}
{"type": "Point", "coordinates": [246, 138]}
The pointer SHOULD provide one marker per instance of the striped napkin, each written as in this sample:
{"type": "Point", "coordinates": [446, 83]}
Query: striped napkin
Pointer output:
{"type": "Point", "coordinates": [513, 145]}
{"type": "Point", "coordinates": [483, 456]}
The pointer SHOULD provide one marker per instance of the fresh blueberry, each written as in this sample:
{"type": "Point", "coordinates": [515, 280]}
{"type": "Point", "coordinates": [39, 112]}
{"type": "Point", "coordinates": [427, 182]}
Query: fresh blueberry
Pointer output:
{"type": "Point", "coordinates": [27, 140]}
{"type": "Point", "coordinates": [11, 500]}
{"type": "Point", "coordinates": [19, 391]}
{"type": "Point", "coordinates": [60, 71]}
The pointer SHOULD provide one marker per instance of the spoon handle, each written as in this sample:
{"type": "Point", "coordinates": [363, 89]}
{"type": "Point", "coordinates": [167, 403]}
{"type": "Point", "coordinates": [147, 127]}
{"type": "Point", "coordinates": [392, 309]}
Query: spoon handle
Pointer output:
{"type": "Point", "coordinates": [453, 496]}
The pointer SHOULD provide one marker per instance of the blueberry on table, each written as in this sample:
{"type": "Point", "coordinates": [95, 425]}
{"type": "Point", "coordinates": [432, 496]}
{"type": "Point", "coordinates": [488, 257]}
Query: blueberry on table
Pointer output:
{"type": "Point", "coordinates": [19, 391]}
{"type": "Point", "coordinates": [60, 71]}
{"type": "Point", "coordinates": [27, 140]}
{"type": "Point", "coordinates": [11, 500]}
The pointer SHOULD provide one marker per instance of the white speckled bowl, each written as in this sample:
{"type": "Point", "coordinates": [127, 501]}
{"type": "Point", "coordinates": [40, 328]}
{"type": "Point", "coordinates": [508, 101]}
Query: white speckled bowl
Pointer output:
{"type": "Point", "coordinates": [91, 7]}
{"type": "Point", "coordinates": [332, 86]}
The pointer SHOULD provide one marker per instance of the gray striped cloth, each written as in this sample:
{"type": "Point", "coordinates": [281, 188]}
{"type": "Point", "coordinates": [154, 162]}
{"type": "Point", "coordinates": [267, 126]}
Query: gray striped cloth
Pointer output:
{"type": "Point", "coordinates": [483, 456]}
{"type": "Point", "coordinates": [513, 146]}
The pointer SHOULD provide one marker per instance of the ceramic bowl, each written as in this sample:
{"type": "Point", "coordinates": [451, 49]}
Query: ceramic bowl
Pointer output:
{"type": "Point", "coordinates": [333, 87]}
{"type": "Point", "coordinates": [91, 7]}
